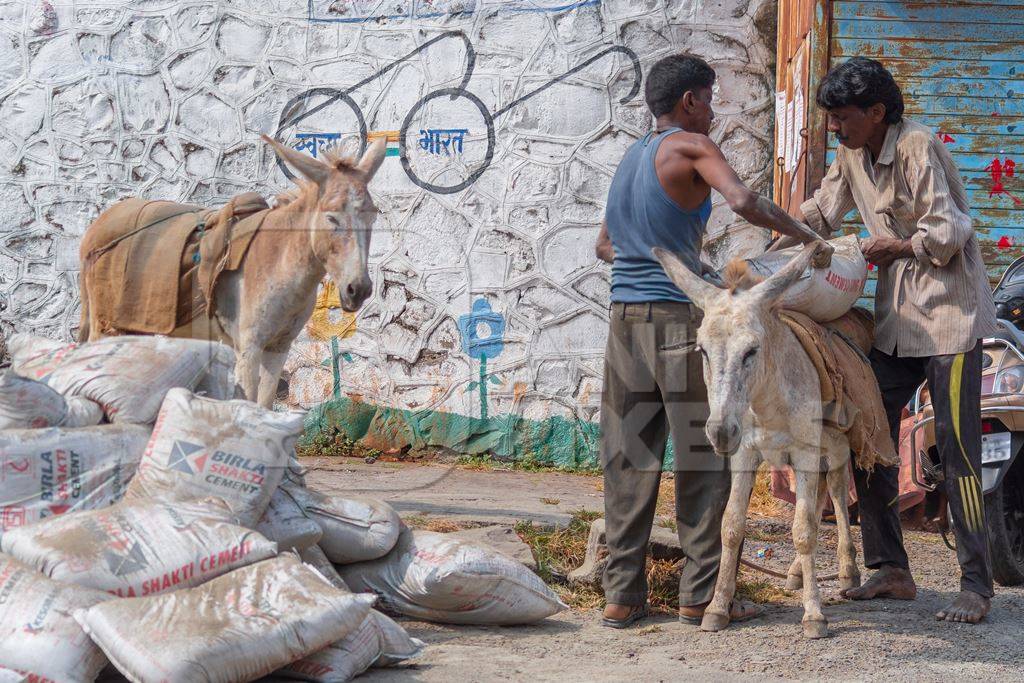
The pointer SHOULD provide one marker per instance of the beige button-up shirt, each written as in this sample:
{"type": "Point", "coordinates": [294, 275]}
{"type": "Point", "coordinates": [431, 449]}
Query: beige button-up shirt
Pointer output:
{"type": "Point", "coordinates": [938, 302]}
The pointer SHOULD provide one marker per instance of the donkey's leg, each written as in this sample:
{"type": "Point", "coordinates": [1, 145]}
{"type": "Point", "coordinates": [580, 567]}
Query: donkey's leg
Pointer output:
{"type": "Point", "coordinates": [716, 616]}
{"type": "Point", "coordinates": [838, 487]}
{"type": "Point", "coordinates": [805, 538]}
{"type": "Point", "coordinates": [795, 574]}
{"type": "Point", "coordinates": [247, 368]}
{"type": "Point", "coordinates": [271, 364]}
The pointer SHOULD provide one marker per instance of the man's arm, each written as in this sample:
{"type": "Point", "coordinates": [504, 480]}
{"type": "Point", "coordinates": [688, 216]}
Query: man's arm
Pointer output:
{"type": "Point", "coordinates": [824, 211]}
{"type": "Point", "coordinates": [712, 166]}
{"type": "Point", "coordinates": [942, 229]}
{"type": "Point", "coordinates": [603, 248]}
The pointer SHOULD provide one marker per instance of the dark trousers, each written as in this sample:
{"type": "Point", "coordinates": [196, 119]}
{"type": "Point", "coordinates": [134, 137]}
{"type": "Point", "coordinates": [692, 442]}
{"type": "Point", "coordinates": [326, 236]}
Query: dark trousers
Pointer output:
{"type": "Point", "coordinates": [653, 386]}
{"type": "Point", "coordinates": [954, 383]}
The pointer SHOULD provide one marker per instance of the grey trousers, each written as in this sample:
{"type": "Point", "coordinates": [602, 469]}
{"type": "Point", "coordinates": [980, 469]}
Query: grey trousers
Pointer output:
{"type": "Point", "coordinates": [654, 386]}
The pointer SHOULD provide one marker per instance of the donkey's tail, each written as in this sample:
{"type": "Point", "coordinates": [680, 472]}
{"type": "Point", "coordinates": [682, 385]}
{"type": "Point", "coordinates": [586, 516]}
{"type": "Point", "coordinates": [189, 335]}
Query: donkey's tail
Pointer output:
{"type": "Point", "coordinates": [83, 324]}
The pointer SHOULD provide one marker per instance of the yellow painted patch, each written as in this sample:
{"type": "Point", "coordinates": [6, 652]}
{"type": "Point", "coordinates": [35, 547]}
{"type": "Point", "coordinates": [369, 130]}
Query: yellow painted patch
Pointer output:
{"type": "Point", "coordinates": [320, 325]}
{"type": "Point", "coordinates": [390, 135]}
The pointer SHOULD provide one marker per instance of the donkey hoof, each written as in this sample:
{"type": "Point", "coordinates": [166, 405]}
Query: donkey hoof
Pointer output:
{"type": "Point", "coordinates": [713, 621]}
{"type": "Point", "coordinates": [815, 628]}
{"type": "Point", "coordinates": [794, 582]}
{"type": "Point", "coordinates": [848, 582]}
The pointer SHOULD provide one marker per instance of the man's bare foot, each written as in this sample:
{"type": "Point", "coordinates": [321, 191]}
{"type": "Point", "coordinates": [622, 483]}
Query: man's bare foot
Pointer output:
{"type": "Point", "coordinates": [968, 608]}
{"type": "Point", "coordinates": [888, 582]}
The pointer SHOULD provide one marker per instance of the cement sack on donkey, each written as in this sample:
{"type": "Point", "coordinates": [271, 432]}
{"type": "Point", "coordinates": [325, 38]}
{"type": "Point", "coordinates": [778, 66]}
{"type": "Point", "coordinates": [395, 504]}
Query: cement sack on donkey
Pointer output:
{"type": "Point", "coordinates": [27, 404]}
{"type": "Point", "coordinates": [285, 523]}
{"type": "Point", "coordinates": [823, 294]}
{"type": "Point", "coordinates": [48, 472]}
{"type": "Point", "coordinates": [238, 627]}
{"type": "Point", "coordinates": [315, 558]}
{"type": "Point", "coordinates": [234, 450]}
{"type": "Point", "coordinates": [355, 529]}
{"type": "Point", "coordinates": [378, 641]}
{"type": "Point", "coordinates": [139, 549]}
{"type": "Point", "coordinates": [435, 577]}
{"type": "Point", "coordinates": [39, 639]}
{"type": "Point", "coordinates": [128, 376]}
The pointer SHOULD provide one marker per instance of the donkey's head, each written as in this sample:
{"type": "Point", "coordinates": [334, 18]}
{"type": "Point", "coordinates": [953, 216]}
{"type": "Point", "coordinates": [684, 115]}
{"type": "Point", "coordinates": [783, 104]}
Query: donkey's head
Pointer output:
{"type": "Point", "coordinates": [340, 214]}
{"type": "Point", "coordinates": [733, 338]}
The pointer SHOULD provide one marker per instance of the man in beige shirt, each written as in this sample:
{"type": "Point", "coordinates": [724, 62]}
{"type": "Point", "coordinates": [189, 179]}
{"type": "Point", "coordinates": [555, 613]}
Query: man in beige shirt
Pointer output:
{"type": "Point", "coordinates": [932, 307]}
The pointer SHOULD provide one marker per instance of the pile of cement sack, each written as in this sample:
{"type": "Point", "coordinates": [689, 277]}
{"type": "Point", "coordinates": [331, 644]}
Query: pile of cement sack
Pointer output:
{"type": "Point", "coordinates": [151, 522]}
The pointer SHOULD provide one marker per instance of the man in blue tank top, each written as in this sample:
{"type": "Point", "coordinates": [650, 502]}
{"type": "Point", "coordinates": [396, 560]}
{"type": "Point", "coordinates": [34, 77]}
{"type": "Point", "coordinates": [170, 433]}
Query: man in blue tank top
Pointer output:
{"type": "Point", "coordinates": [653, 382]}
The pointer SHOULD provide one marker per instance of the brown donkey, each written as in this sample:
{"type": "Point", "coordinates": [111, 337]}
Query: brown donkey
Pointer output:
{"type": "Point", "coordinates": [260, 307]}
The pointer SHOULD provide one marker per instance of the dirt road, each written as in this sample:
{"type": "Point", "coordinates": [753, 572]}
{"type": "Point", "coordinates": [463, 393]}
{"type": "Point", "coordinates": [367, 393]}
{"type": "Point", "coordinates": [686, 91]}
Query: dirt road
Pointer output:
{"type": "Point", "coordinates": [889, 640]}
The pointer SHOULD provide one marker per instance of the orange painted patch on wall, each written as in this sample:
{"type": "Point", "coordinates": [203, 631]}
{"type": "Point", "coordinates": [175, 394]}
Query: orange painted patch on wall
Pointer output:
{"type": "Point", "coordinates": [392, 138]}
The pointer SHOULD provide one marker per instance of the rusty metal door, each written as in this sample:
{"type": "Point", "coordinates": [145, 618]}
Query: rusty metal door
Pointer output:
{"type": "Point", "coordinates": [959, 65]}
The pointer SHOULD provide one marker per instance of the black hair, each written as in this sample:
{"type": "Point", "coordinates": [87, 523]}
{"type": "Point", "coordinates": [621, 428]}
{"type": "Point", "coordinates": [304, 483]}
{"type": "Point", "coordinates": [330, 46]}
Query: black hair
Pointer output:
{"type": "Point", "coordinates": [670, 78]}
{"type": "Point", "coordinates": [861, 82]}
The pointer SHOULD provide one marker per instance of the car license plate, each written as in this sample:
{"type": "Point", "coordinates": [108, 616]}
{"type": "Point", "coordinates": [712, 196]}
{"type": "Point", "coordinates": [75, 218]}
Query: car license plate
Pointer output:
{"type": "Point", "coordinates": [995, 447]}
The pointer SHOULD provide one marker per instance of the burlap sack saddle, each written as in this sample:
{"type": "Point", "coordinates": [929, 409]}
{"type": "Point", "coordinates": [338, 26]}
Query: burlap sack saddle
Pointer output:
{"type": "Point", "coordinates": [159, 261]}
{"type": "Point", "coordinates": [849, 391]}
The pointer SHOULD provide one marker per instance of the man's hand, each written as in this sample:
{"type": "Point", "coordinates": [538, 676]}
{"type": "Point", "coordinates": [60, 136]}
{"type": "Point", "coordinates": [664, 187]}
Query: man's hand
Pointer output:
{"type": "Point", "coordinates": [882, 251]}
{"type": "Point", "coordinates": [603, 249]}
{"type": "Point", "coordinates": [822, 257]}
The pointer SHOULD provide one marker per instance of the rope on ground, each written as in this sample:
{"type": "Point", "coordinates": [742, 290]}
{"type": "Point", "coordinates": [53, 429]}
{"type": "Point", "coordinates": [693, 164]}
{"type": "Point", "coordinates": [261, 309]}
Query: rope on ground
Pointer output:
{"type": "Point", "coordinates": [780, 575]}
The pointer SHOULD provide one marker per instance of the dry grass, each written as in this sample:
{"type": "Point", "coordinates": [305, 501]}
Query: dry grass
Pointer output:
{"type": "Point", "coordinates": [558, 551]}
{"type": "Point", "coordinates": [550, 501]}
{"type": "Point", "coordinates": [436, 524]}
{"type": "Point", "coordinates": [762, 502]}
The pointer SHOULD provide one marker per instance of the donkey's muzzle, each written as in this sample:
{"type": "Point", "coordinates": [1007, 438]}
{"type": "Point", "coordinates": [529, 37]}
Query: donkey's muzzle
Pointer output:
{"type": "Point", "coordinates": [724, 436]}
{"type": "Point", "coordinates": [354, 294]}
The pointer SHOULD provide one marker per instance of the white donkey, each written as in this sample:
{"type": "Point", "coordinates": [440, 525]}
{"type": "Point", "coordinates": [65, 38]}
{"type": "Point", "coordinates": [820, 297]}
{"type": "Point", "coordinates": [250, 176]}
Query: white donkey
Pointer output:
{"type": "Point", "coordinates": [765, 401]}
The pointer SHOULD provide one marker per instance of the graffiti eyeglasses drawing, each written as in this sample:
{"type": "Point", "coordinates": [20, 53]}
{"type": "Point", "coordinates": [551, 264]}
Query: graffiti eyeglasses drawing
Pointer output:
{"type": "Point", "coordinates": [433, 140]}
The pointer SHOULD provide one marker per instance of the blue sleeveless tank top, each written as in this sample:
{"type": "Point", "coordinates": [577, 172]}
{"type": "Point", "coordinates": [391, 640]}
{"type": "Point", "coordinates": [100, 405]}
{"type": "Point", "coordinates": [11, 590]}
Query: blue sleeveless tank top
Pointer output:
{"type": "Point", "coordinates": [641, 215]}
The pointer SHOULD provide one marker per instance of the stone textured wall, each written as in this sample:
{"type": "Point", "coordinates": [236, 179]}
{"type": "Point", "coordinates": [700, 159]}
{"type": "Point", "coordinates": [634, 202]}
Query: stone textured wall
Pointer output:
{"type": "Point", "coordinates": [104, 99]}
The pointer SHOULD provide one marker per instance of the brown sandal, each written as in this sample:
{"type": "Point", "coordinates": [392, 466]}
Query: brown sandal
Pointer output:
{"type": "Point", "coordinates": [636, 614]}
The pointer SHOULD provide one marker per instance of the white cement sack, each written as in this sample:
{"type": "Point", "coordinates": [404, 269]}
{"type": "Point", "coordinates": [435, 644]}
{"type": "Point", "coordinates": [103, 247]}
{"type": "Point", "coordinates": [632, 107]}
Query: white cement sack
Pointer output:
{"type": "Point", "coordinates": [378, 641]}
{"type": "Point", "coordinates": [238, 627]}
{"type": "Point", "coordinates": [39, 639]}
{"type": "Point", "coordinates": [315, 557]}
{"type": "Point", "coordinates": [234, 450]}
{"type": "Point", "coordinates": [435, 577]}
{"type": "Point", "coordinates": [356, 529]}
{"type": "Point", "coordinates": [27, 404]}
{"type": "Point", "coordinates": [285, 523]}
{"type": "Point", "coordinates": [128, 376]}
{"type": "Point", "coordinates": [823, 294]}
{"type": "Point", "coordinates": [48, 472]}
{"type": "Point", "coordinates": [140, 549]}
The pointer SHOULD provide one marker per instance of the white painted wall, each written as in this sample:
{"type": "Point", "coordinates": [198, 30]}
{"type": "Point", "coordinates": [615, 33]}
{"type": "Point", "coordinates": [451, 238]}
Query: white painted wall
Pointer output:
{"type": "Point", "coordinates": [104, 99]}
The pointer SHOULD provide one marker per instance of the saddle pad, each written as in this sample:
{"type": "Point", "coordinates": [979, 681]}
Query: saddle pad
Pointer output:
{"type": "Point", "coordinates": [132, 278]}
{"type": "Point", "coordinates": [849, 390]}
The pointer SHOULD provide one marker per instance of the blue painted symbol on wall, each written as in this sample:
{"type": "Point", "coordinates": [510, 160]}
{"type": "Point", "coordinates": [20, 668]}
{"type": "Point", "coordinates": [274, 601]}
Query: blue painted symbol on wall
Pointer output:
{"type": "Point", "coordinates": [482, 331]}
{"type": "Point", "coordinates": [483, 337]}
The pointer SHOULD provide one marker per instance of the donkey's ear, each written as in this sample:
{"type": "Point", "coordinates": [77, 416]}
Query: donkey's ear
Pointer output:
{"type": "Point", "coordinates": [694, 286]}
{"type": "Point", "coordinates": [769, 291]}
{"type": "Point", "coordinates": [373, 157]}
{"type": "Point", "coordinates": [307, 166]}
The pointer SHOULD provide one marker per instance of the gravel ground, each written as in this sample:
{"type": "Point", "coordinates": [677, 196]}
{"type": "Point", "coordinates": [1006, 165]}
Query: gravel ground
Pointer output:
{"type": "Point", "coordinates": [882, 639]}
